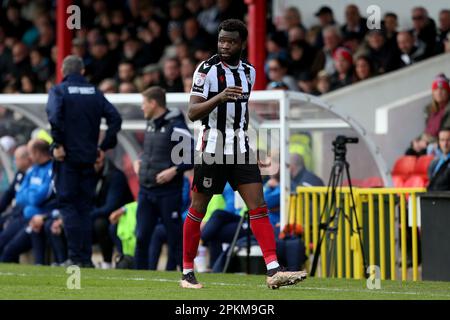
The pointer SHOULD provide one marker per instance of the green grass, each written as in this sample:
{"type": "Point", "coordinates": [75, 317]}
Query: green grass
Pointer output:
{"type": "Point", "coordinates": [33, 282]}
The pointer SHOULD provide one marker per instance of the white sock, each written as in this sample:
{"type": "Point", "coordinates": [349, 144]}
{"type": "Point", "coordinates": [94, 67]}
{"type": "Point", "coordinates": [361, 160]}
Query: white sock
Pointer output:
{"type": "Point", "coordinates": [272, 265]}
{"type": "Point", "coordinates": [186, 271]}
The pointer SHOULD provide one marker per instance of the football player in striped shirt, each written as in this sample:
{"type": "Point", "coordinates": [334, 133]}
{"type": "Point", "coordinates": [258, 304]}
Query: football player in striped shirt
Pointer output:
{"type": "Point", "coordinates": [219, 99]}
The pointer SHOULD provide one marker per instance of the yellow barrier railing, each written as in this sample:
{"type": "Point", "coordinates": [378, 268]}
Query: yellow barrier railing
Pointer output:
{"type": "Point", "coordinates": [381, 214]}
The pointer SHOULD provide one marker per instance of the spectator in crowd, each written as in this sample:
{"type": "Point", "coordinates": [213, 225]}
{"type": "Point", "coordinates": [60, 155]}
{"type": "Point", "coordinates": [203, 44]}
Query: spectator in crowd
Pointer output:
{"type": "Point", "coordinates": [79, 48]}
{"type": "Point", "coordinates": [384, 58]}
{"type": "Point", "coordinates": [172, 81]}
{"type": "Point", "coordinates": [276, 45]}
{"type": "Point", "coordinates": [424, 29]}
{"type": "Point", "coordinates": [277, 71]}
{"type": "Point", "coordinates": [134, 50]}
{"type": "Point", "coordinates": [419, 145]}
{"type": "Point", "coordinates": [28, 83]}
{"type": "Point", "coordinates": [102, 65]}
{"type": "Point", "coordinates": [296, 33]}
{"type": "Point", "coordinates": [21, 61]}
{"type": "Point", "coordinates": [112, 192]}
{"type": "Point", "coordinates": [108, 85]}
{"type": "Point", "coordinates": [194, 34]}
{"type": "Point", "coordinates": [301, 57]}
{"type": "Point", "coordinates": [75, 133]}
{"type": "Point", "coordinates": [291, 19]}
{"type": "Point", "coordinates": [127, 87]}
{"type": "Point", "coordinates": [306, 83]}
{"type": "Point", "coordinates": [151, 76]}
{"type": "Point", "coordinates": [41, 67]}
{"type": "Point", "coordinates": [126, 72]}
{"type": "Point", "coordinates": [36, 198]}
{"type": "Point", "coordinates": [208, 17]}
{"type": "Point", "coordinates": [300, 176]}
{"type": "Point", "coordinates": [160, 179]}
{"type": "Point", "coordinates": [443, 30]}
{"type": "Point", "coordinates": [323, 84]}
{"type": "Point", "coordinates": [326, 18]}
{"type": "Point", "coordinates": [352, 42]}
{"type": "Point", "coordinates": [390, 25]}
{"type": "Point", "coordinates": [439, 170]}
{"type": "Point", "coordinates": [409, 52]}
{"type": "Point", "coordinates": [324, 59]}
{"type": "Point", "coordinates": [15, 25]}
{"type": "Point", "coordinates": [439, 110]}
{"type": "Point", "coordinates": [363, 68]}
{"type": "Point", "coordinates": [344, 68]}
{"type": "Point", "coordinates": [354, 23]}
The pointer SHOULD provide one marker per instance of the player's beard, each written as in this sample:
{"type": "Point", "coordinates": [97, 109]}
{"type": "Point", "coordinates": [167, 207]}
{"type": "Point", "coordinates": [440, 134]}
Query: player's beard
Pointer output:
{"type": "Point", "coordinates": [232, 59]}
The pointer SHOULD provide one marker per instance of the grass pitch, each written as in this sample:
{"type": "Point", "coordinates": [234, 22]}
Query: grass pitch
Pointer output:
{"type": "Point", "coordinates": [36, 282]}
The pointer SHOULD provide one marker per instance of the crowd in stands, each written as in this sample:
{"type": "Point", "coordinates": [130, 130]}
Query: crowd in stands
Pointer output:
{"type": "Point", "coordinates": [128, 46]}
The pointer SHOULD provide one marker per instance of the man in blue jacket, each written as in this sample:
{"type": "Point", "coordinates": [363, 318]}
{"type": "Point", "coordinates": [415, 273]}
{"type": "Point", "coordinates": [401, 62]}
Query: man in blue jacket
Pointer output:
{"type": "Point", "coordinates": [75, 109]}
{"type": "Point", "coordinates": [167, 154]}
{"type": "Point", "coordinates": [35, 196]}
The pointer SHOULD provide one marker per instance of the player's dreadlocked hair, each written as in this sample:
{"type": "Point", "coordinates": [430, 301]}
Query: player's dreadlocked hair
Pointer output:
{"type": "Point", "coordinates": [234, 25]}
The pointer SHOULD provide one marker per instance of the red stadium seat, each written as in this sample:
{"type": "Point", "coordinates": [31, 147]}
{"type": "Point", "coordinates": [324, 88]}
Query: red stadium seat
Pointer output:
{"type": "Point", "coordinates": [398, 181]}
{"type": "Point", "coordinates": [422, 164]}
{"type": "Point", "coordinates": [415, 181]}
{"type": "Point", "coordinates": [372, 182]}
{"type": "Point", "coordinates": [355, 183]}
{"type": "Point", "coordinates": [404, 166]}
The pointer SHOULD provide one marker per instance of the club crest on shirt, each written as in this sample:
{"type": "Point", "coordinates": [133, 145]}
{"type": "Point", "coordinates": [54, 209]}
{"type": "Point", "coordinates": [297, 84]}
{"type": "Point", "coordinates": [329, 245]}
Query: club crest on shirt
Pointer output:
{"type": "Point", "coordinates": [207, 182]}
{"type": "Point", "coordinates": [200, 79]}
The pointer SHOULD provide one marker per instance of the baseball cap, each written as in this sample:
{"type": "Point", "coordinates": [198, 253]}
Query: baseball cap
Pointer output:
{"type": "Point", "coordinates": [440, 82]}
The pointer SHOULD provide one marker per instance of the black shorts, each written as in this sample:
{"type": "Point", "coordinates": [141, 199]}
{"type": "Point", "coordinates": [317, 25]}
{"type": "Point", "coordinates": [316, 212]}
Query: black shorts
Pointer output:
{"type": "Point", "coordinates": [211, 178]}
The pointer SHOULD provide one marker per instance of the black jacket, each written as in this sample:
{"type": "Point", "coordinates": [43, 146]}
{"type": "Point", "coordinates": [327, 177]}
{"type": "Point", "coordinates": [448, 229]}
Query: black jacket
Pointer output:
{"type": "Point", "coordinates": [75, 109]}
{"type": "Point", "coordinates": [162, 135]}
{"type": "Point", "coordinates": [113, 191]}
{"type": "Point", "coordinates": [441, 180]}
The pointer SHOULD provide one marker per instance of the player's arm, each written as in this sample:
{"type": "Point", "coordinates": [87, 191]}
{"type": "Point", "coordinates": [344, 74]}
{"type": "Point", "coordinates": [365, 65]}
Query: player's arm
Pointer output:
{"type": "Point", "coordinates": [200, 107]}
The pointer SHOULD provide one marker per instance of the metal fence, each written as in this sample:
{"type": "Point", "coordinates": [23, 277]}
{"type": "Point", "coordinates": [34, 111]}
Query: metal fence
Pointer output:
{"type": "Point", "coordinates": [385, 237]}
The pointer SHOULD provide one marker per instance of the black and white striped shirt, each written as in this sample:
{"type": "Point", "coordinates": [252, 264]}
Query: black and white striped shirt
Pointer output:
{"type": "Point", "coordinates": [228, 120]}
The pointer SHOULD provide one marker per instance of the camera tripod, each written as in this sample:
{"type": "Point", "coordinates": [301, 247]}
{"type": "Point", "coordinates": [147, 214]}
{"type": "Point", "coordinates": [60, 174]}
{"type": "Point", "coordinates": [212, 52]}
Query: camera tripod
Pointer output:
{"type": "Point", "coordinates": [339, 171]}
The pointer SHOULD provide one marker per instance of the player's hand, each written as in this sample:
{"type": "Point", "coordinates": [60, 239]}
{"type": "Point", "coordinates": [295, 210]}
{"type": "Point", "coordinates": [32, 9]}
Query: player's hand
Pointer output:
{"type": "Point", "coordinates": [56, 227]}
{"type": "Point", "coordinates": [59, 153]}
{"type": "Point", "coordinates": [273, 183]}
{"type": "Point", "coordinates": [37, 222]}
{"type": "Point", "coordinates": [230, 94]}
{"type": "Point", "coordinates": [166, 175]}
{"type": "Point", "coordinates": [115, 216]}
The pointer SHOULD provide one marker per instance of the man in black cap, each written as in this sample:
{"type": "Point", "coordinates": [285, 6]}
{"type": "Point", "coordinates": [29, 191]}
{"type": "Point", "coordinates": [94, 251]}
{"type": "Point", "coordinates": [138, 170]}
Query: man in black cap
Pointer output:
{"type": "Point", "coordinates": [326, 18]}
